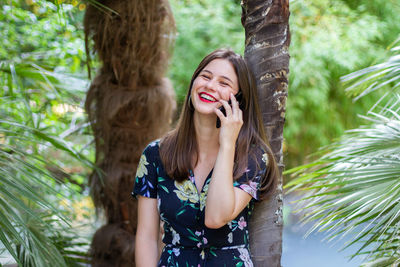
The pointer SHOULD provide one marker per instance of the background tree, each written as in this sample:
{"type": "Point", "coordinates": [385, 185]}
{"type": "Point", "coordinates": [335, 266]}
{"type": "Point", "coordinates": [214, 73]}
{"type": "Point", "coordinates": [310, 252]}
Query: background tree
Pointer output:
{"type": "Point", "coordinates": [267, 51]}
{"type": "Point", "coordinates": [129, 104]}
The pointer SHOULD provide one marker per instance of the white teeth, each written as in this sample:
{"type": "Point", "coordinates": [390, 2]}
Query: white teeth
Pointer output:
{"type": "Point", "coordinates": [207, 97]}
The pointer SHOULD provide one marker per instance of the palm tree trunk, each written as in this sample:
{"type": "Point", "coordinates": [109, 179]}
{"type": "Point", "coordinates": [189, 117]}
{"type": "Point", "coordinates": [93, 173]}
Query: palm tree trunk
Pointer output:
{"type": "Point", "coordinates": [266, 26]}
{"type": "Point", "coordinates": [129, 103]}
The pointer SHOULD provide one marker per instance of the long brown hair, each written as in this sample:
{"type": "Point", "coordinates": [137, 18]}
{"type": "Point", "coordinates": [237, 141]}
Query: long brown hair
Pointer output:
{"type": "Point", "coordinates": [179, 145]}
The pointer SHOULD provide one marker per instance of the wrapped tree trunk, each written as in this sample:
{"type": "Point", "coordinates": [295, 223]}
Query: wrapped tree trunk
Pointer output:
{"type": "Point", "coordinates": [129, 103]}
{"type": "Point", "coordinates": [266, 24]}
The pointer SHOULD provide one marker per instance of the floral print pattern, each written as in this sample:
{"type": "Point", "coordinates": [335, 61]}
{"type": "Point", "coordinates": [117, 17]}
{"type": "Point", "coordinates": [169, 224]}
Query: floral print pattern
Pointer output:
{"type": "Point", "coordinates": [175, 237]}
{"type": "Point", "coordinates": [142, 169]}
{"type": "Point", "coordinates": [251, 188]}
{"type": "Point", "coordinates": [188, 242]}
{"type": "Point", "coordinates": [203, 197]}
{"type": "Point", "coordinates": [265, 158]}
{"type": "Point", "coordinates": [186, 191]}
{"type": "Point", "coordinates": [245, 257]}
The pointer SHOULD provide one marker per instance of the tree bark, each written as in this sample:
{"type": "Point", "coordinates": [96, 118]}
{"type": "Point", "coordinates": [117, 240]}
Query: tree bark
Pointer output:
{"type": "Point", "coordinates": [266, 26]}
{"type": "Point", "coordinates": [129, 104]}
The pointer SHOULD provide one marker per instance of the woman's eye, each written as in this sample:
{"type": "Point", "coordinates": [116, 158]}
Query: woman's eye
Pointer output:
{"type": "Point", "coordinates": [224, 83]}
{"type": "Point", "coordinates": [205, 76]}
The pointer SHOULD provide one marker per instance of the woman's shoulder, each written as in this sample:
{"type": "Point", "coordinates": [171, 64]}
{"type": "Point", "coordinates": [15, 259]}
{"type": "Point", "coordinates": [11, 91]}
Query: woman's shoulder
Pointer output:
{"type": "Point", "coordinates": [152, 149]}
{"type": "Point", "coordinates": [257, 160]}
{"type": "Point", "coordinates": [258, 153]}
{"type": "Point", "coordinates": [153, 145]}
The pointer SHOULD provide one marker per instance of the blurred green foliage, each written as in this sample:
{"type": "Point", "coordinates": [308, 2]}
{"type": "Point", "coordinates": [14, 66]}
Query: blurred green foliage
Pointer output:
{"type": "Point", "coordinates": [202, 26]}
{"type": "Point", "coordinates": [353, 188]}
{"type": "Point", "coordinates": [42, 70]}
{"type": "Point", "coordinates": [44, 137]}
{"type": "Point", "coordinates": [329, 39]}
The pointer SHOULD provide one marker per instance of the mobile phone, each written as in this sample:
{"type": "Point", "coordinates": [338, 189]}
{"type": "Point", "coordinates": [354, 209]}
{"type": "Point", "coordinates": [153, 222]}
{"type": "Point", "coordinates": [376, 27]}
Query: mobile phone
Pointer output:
{"type": "Point", "coordinates": [238, 97]}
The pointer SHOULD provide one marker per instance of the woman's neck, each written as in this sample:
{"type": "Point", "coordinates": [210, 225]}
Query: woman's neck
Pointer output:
{"type": "Point", "coordinates": [207, 136]}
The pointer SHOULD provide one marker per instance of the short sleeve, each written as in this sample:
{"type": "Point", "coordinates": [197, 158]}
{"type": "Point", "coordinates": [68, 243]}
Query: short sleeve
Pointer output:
{"type": "Point", "coordinates": [146, 173]}
{"type": "Point", "coordinates": [250, 181]}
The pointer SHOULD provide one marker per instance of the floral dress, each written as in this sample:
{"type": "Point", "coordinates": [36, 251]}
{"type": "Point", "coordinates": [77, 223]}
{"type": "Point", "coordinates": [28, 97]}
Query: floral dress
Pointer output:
{"type": "Point", "coordinates": [188, 242]}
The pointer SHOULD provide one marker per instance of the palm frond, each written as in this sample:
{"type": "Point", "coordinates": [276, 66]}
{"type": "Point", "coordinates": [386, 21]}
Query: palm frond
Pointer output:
{"type": "Point", "coordinates": [375, 77]}
{"type": "Point", "coordinates": [34, 224]}
{"type": "Point", "coordinates": [23, 197]}
{"type": "Point", "coordinates": [354, 188]}
{"type": "Point", "coordinates": [28, 74]}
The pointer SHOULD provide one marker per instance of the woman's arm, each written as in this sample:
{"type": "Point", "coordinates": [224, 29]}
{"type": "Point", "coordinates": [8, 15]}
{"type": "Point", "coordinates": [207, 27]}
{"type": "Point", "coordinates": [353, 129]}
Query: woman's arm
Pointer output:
{"type": "Point", "coordinates": [224, 202]}
{"type": "Point", "coordinates": [146, 245]}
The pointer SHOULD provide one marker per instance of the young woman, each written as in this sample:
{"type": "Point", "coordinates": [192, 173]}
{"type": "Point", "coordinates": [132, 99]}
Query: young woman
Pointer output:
{"type": "Point", "coordinates": [203, 178]}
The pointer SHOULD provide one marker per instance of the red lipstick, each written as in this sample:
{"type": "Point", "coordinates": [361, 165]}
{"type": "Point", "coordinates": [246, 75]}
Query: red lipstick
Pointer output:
{"type": "Point", "coordinates": [207, 100]}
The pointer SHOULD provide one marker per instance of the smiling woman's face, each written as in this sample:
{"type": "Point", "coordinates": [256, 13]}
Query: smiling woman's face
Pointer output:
{"type": "Point", "coordinates": [216, 81]}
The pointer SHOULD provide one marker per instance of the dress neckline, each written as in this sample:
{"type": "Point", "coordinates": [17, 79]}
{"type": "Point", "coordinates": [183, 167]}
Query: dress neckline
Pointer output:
{"type": "Point", "coordinates": [193, 180]}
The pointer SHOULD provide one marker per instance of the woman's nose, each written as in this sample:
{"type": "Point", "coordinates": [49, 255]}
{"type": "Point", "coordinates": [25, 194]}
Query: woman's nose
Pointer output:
{"type": "Point", "coordinates": [211, 84]}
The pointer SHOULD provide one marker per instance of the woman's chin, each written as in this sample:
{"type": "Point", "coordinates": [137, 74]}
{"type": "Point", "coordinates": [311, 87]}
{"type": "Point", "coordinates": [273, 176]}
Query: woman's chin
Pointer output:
{"type": "Point", "coordinates": [205, 111]}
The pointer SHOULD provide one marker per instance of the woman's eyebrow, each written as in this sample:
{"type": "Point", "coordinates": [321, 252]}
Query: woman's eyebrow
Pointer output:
{"type": "Point", "coordinates": [227, 78]}
{"type": "Point", "coordinates": [224, 77]}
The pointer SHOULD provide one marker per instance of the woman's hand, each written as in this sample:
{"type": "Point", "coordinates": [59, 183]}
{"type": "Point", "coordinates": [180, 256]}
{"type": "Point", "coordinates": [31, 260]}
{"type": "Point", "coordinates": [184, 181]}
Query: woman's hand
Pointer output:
{"type": "Point", "coordinates": [231, 123]}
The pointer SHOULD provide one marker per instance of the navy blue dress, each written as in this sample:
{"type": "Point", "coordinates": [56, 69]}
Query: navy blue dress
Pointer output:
{"type": "Point", "coordinates": [188, 242]}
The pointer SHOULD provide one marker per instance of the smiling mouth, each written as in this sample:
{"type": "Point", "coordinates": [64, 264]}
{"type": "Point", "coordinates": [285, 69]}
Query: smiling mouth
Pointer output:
{"type": "Point", "coordinates": [207, 98]}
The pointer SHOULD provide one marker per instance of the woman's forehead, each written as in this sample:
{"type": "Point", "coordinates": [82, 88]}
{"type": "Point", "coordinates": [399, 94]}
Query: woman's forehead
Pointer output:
{"type": "Point", "coordinates": [221, 67]}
